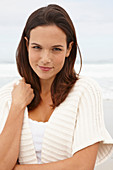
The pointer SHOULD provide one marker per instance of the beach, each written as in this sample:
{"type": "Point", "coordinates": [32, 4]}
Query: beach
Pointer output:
{"type": "Point", "coordinates": [108, 115]}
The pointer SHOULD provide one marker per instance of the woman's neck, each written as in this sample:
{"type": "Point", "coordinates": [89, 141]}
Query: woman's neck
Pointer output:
{"type": "Point", "coordinates": [46, 92]}
{"type": "Point", "coordinates": [45, 87]}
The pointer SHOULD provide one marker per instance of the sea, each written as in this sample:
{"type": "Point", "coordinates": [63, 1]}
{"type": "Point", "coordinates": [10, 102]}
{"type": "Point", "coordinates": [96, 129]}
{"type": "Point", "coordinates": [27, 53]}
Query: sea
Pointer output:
{"type": "Point", "coordinates": [102, 73]}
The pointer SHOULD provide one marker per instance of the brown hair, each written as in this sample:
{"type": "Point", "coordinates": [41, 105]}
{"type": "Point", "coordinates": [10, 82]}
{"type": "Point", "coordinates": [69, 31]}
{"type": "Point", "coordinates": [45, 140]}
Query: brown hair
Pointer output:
{"type": "Point", "coordinates": [66, 78]}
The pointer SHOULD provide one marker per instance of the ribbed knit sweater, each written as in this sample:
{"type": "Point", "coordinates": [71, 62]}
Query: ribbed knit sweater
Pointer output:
{"type": "Point", "coordinates": [75, 124]}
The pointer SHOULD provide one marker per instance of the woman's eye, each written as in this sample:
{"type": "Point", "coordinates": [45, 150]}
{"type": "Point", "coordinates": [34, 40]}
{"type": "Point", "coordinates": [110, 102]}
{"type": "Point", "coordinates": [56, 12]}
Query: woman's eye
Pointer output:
{"type": "Point", "coordinates": [57, 49]}
{"type": "Point", "coordinates": [36, 47]}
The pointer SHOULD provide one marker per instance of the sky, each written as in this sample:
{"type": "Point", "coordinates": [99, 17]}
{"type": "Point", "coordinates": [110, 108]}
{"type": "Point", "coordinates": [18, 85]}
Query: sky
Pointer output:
{"type": "Point", "coordinates": [93, 21]}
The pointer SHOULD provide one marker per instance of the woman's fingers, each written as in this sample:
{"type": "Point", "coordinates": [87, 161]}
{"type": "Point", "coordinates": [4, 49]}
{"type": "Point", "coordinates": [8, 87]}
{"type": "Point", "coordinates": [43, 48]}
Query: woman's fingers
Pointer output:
{"type": "Point", "coordinates": [22, 93]}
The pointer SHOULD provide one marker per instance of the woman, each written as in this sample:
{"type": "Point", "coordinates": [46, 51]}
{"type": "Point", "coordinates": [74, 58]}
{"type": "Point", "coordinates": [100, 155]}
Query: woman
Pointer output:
{"type": "Point", "coordinates": [54, 116]}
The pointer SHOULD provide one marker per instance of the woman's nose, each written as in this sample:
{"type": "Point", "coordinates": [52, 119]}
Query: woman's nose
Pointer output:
{"type": "Point", "coordinates": [45, 58]}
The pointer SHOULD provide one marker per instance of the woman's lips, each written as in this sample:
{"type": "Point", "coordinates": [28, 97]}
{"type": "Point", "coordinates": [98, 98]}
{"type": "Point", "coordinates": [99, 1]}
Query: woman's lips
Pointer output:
{"type": "Point", "coordinates": [45, 68]}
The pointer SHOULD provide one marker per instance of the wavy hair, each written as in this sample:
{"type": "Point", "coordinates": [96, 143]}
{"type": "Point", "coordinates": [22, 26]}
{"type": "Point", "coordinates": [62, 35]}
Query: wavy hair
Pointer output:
{"type": "Point", "coordinates": [66, 78]}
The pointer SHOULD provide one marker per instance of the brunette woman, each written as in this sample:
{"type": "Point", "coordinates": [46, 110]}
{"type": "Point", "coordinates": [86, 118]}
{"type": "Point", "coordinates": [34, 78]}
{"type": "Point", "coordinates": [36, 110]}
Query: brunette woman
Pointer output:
{"type": "Point", "coordinates": [53, 117]}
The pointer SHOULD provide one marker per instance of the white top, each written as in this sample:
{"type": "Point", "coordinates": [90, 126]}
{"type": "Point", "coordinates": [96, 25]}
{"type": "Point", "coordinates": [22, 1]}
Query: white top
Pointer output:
{"type": "Point", "coordinates": [37, 130]}
{"type": "Point", "coordinates": [76, 123]}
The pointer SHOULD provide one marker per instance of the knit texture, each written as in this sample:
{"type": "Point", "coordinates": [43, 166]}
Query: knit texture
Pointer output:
{"type": "Point", "coordinates": [75, 124]}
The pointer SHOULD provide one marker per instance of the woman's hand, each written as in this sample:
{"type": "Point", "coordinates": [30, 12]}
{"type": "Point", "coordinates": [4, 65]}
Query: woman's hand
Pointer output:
{"type": "Point", "coordinates": [22, 94]}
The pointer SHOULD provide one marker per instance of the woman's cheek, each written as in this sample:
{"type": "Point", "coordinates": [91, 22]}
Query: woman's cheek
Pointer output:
{"type": "Point", "coordinates": [60, 60]}
{"type": "Point", "coordinates": [33, 58]}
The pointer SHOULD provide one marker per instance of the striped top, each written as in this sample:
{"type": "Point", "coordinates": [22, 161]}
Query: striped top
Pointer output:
{"type": "Point", "coordinates": [75, 124]}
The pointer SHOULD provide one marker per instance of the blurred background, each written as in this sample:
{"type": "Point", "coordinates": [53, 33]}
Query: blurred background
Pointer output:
{"type": "Point", "coordinates": [93, 21]}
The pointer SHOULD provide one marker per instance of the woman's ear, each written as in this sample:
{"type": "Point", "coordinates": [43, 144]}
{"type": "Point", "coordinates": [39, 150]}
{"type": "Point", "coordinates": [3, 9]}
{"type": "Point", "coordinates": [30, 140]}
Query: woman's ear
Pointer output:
{"type": "Point", "coordinates": [69, 49]}
{"type": "Point", "coordinates": [26, 42]}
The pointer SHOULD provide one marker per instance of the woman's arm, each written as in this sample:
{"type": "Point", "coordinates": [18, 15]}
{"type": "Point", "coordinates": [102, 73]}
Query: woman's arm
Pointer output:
{"type": "Point", "coordinates": [22, 95]}
{"type": "Point", "coordinates": [10, 139]}
{"type": "Point", "coordinates": [82, 160]}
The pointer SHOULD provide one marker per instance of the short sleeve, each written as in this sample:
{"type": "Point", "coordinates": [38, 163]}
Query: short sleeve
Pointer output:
{"type": "Point", "coordinates": [90, 127]}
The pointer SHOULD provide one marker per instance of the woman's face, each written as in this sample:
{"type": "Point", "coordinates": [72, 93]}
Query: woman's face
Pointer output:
{"type": "Point", "coordinates": [47, 51]}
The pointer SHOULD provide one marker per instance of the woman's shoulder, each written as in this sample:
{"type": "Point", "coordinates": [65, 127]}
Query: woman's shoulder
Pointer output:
{"type": "Point", "coordinates": [87, 82]}
{"type": "Point", "coordinates": [86, 85]}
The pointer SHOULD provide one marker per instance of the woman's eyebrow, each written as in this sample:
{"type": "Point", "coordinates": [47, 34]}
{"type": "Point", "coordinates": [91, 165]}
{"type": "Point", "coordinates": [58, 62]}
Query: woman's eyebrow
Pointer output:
{"type": "Point", "coordinates": [57, 46]}
{"type": "Point", "coordinates": [35, 44]}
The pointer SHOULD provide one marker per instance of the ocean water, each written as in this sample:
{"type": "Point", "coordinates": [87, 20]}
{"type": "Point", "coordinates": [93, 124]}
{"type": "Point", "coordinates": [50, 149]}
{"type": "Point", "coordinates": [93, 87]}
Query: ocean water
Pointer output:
{"type": "Point", "coordinates": [102, 73]}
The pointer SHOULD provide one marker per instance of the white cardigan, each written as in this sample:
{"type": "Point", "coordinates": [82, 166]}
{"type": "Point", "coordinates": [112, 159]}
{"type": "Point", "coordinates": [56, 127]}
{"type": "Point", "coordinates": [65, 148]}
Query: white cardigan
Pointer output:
{"type": "Point", "coordinates": [75, 124]}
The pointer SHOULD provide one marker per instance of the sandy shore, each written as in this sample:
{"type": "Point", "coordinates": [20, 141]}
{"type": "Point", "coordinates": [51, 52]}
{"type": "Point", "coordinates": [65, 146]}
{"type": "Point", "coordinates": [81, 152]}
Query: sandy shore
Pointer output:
{"type": "Point", "coordinates": [108, 116]}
